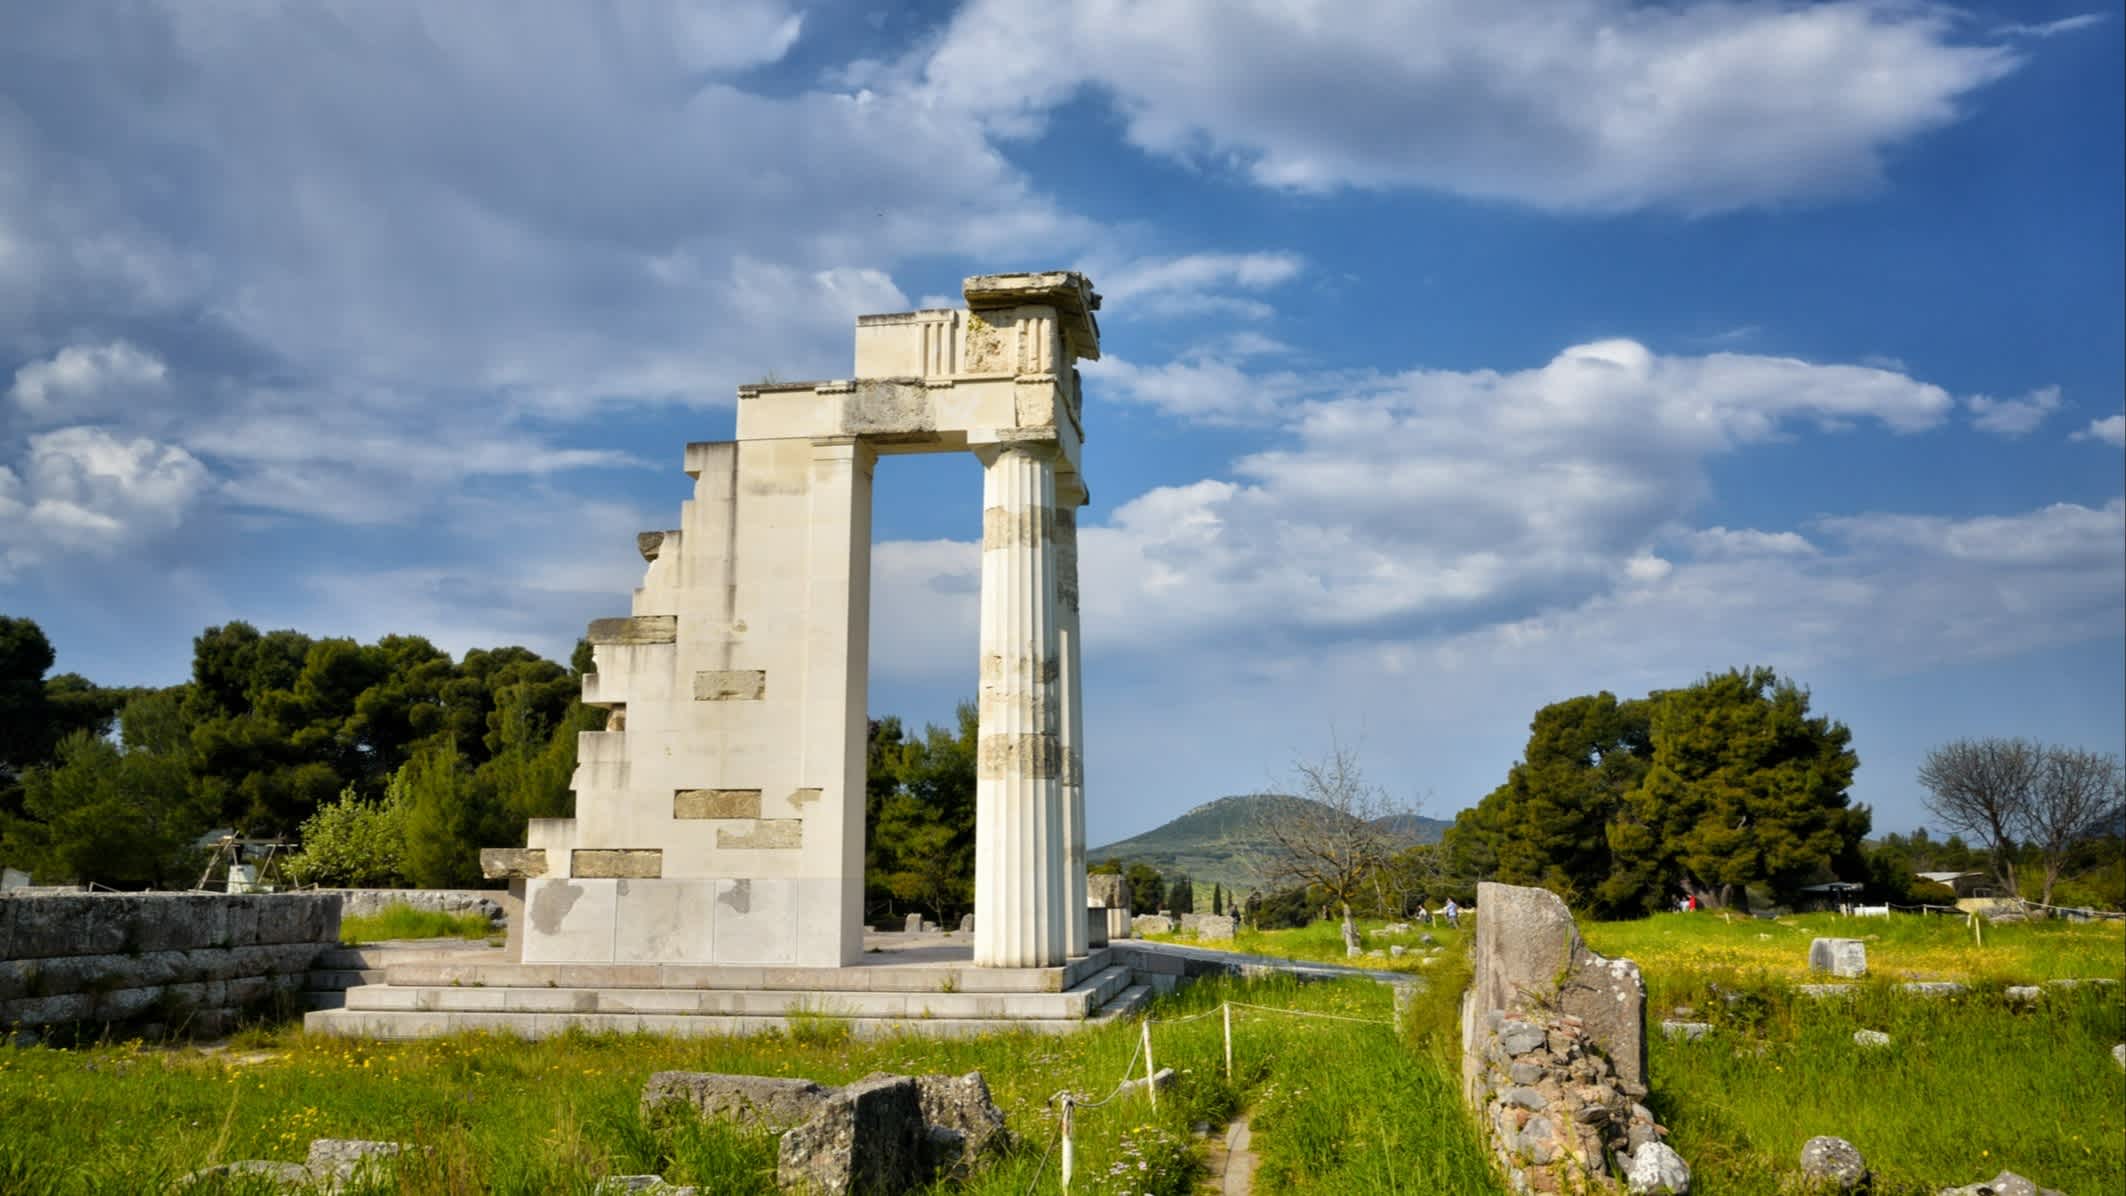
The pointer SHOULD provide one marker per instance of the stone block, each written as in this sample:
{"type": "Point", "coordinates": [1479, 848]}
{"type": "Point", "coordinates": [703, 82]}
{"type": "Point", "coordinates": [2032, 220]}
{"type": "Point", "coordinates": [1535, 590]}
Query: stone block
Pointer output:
{"type": "Point", "coordinates": [763, 834]}
{"type": "Point", "coordinates": [637, 863]}
{"type": "Point", "coordinates": [756, 1102]}
{"type": "Point", "coordinates": [716, 803]}
{"type": "Point", "coordinates": [569, 921]}
{"type": "Point", "coordinates": [242, 920]}
{"type": "Point", "coordinates": [1528, 955]}
{"type": "Point", "coordinates": [755, 921]}
{"type": "Point", "coordinates": [963, 1124]}
{"type": "Point", "coordinates": [1144, 924]}
{"type": "Point", "coordinates": [1840, 957]}
{"type": "Point", "coordinates": [1107, 889]}
{"type": "Point", "coordinates": [664, 920]}
{"type": "Point", "coordinates": [730, 685]}
{"type": "Point", "coordinates": [512, 863]}
{"type": "Point", "coordinates": [635, 630]}
{"type": "Point", "coordinates": [868, 1137]}
{"type": "Point", "coordinates": [1833, 1162]}
{"type": "Point", "coordinates": [1210, 926]}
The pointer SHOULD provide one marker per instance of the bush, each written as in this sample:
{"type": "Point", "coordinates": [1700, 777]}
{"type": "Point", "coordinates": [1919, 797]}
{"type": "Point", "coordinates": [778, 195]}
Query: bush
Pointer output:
{"type": "Point", "coordinates": [353, 843]}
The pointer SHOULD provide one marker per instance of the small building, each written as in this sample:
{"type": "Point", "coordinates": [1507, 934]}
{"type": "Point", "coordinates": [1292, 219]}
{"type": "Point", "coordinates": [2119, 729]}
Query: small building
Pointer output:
{"type": "Point", "coordinates": [1838, 896]}
{"type": "Point", "coordinates": [1964, 884]}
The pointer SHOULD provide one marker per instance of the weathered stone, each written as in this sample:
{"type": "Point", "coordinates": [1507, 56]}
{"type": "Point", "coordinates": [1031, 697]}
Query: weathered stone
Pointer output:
{"type": "Point", "coordinates": [2023, 994]}
{"type": "Point", "coordinates": [966, 923]}
{"type": "Point", "coordinates": [730, 685]}
{"type": "Point", "coordinates": [1870, 1038]}
{"type": "Point", "coordinates": [2007, 1183]}
{"type": "Point", "coordinates": [1821, 991]}
{"type": "Point", "coordinates": [963, 1124]}
{"type": "Point", "coordinates": [619, 863]}
{"type": "Point", "coordinates": [1688, 1031]}
{"type": "Point", "coordinates": [343, 1160]}
{"type": "Point", "coordinates": [914, 924]}
{"type": "Point", "coordinates": [760, 1102]}
{"type": "Point", "coordinates": [1109, 890]}
{"type": "Point", "coordinates": [1935, 988]}
{"type": "Point", "coordinates": [1210, 926]}
{"type": "Point", "coordinates": [764, 834]}
{"type": "Point", "coordinates": [1529, 955]}
{"type": "Point", "coordinates": [635, 630]}
{"type": "Point", "coordinates": [284, 1176]}
{"type": "Point", "coordinates": [1839, 957]}
{"type": "Point", "coordinates": [716, 803]}
{"type": "Point", "coordinates": [1144, 924]}
{"type": "Point", "coordinates": [1834, 1161]}
{"type": "Point", "coordinates": [1524, 1072]}
{"type": "Point", "coordinates": [1521, 1038]}
{"type": "Point", "coordinates": [2118, 1054]}
{"type": "Point", "coordinates": [867, 1138]}
{"type": "Point", "coordinates": [649, 1185]}
{"type": "Point", "coordinates": [1655, 1168]}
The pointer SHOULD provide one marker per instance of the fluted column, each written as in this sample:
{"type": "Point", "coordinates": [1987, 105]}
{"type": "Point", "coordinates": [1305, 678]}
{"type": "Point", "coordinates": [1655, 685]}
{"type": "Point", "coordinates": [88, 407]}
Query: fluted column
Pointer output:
{"type": "Point", "coordinates": [1070, 494]}
{"type": "Point", "coordinates": [1018, 857]}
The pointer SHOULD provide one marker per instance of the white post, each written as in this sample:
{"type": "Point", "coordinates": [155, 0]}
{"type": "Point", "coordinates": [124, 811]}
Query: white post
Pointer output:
{"type": "Point", "coordinates": [1069, 1150]}
{"type": "Point", "coordinates": [1151, 1070]}
{"type": "Point", "coordinates": [1227, 1008]}
{"type": "Point", "coordinates": [1019, 888]}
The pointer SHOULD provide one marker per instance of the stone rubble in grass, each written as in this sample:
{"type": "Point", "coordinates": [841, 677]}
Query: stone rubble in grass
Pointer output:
{"type": "Point", "coordinates": [884, 1133]}
{"type": "Point", "coordinates": [1847, 958]}
{"type": "Point", "coordinates": [1870, 1038]}
{"type": "Point", "coordinates": [2118, 1054]}
{"type": "Point", "coordinates": [330, 1166]}
{"type": "Point", "coordinates": [2007, 1183]}
{"type": "Point", "coordinates": [1656, 1170]}
{"type": "Point", "coordinates": [1688, 1031]}
{"type": "Point", "coordinates": [645, 1185]}
{"type": "Point", "coordinates": [1834, 1161]}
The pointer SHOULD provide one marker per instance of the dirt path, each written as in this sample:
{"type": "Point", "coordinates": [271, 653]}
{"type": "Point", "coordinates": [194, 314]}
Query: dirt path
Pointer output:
{"type": "Point", "coordinates": [1233, 1161]}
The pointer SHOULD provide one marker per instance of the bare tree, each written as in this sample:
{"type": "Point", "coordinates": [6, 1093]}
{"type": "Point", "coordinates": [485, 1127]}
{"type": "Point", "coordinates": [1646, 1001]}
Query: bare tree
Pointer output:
{"type": "Point", "coordinates": [1983, 789]}
{"type": "Point", "coordinates": [2078, 794]}
{"type": "Point", "coordinates": [1330, 840]}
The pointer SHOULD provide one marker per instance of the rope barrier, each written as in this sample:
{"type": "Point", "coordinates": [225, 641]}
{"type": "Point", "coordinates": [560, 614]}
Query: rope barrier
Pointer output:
{"type": "Point", "coordinates": [1340, 1017]}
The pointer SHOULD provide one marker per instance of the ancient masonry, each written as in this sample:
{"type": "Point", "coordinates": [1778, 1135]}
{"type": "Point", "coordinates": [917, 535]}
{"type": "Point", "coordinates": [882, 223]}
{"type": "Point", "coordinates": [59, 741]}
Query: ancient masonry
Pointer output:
{"type": "Point", "coordinates": [720, 817]}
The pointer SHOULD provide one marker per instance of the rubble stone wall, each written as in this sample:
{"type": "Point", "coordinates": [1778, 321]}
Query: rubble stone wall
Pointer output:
{"type": "Point", "coordinates": [80, 965]}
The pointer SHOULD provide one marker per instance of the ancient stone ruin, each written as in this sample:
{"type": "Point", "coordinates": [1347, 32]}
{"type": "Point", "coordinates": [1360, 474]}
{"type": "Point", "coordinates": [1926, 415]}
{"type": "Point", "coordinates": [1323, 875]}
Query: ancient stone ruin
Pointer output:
{"type": "Point", "coordinates": [719, 817]}
{"type": "Point", "coordinates": [1554, 1053]}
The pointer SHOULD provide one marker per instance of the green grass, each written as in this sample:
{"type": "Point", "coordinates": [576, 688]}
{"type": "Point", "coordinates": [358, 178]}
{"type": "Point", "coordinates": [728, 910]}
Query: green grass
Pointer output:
{"type": "Point", "coordinates": [1970, 1086]}
{"type": "Point", "coordinates": [502, 1115]}
{"type": "Point", "coordinates": [1323, 942]}
{"type": "Point", "coordinates": [406, 922]}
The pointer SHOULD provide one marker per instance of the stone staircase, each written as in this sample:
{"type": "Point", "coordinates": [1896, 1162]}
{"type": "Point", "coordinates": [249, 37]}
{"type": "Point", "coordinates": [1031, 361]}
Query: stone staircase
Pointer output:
{"type": "Point", "coordinates": [452, 991]}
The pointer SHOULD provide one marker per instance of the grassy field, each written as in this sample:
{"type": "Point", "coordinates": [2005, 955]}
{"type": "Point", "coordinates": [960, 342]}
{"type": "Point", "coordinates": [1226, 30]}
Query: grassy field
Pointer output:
{"type": "Point", "coordinates": [406, 922]}
{"type": "Point", "coordinates": [1340, 1106]}
{"type": "Point", "coordinates": [1969, 1085]}
{"type": "Point", "coordinates": [1323, 942]}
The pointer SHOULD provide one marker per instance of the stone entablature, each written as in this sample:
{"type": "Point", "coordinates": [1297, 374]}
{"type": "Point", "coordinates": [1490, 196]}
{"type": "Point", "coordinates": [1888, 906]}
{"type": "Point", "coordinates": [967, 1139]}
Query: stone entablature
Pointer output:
{"type": "Point", "coordinates": [719, 817]}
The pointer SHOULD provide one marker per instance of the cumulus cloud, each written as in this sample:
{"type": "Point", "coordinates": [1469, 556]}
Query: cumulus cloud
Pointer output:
{"type": "Point", "coordinates": [2013, 418]}
{"type": "Point", "coordinates": [2073, 24]}
{"type": "Point", "coordinates": [1599, 105]}
{"type": "Point", "coordinates": [82, 381]}
{"type": "Point", "coordinates": [83, 490]}
{"type": "Point", "coordinates": [2109, 430]}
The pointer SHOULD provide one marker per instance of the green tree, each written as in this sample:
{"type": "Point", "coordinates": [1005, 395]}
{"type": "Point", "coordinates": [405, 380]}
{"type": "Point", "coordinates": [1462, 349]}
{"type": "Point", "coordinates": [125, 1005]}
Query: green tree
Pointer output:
{"type": "Point", "coordinates": [110, 815]}
{"type": "Point", "coordinates": [1181, 895]}
{"type": "Point", "coordinates": [1147, 889]}
{"type": "Point", "coordinates": [353, 843]}
{"type": "Point", "coordinates": [920, 847]}
{"type": "Point", "coordinates": [1743, 787]}
{"type": "Point", "coordinates": [447, 818]}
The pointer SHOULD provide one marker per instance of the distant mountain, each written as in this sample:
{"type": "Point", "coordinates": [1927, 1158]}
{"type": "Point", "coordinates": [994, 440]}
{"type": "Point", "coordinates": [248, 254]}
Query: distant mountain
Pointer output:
{"type": "Point", "coordinates": [1217, 843]}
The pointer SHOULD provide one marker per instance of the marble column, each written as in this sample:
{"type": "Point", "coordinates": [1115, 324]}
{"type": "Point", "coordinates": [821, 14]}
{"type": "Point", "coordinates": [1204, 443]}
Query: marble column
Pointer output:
{"type": "Point", "coordinates": [1070, 495]}
{"type": "Point", "coordinates": [1018, 856]}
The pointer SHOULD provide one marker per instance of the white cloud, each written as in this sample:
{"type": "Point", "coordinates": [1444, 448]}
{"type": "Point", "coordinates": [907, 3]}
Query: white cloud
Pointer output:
{"type": "Point", "coordinates": [1195, 285]}
{"type": "Point", "coordinates": [2074, 24]}
{"type": "Point", "coordinates": [2110, 430]}
{"type": "Point", "coordinates": [82, 490]}
{"type": "Point", "coordinates": [2014, 418]}
{"type": "Point", "coordinates": [1597, 105]}
{"type": "Point", "coordinates": [81, 381]}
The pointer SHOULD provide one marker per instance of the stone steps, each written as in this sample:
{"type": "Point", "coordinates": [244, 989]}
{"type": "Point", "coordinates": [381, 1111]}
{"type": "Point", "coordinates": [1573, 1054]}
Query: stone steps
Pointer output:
{"type": "Point", "coordinates": [460, 972]}
{"type": "Point", "coordinates": [1099, 991]}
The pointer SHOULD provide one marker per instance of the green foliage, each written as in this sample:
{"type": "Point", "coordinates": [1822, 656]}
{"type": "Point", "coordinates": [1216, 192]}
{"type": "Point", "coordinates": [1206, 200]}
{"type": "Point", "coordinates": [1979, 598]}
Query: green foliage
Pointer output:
{"type": "Point", "coordinates": [353, 843]}
{"type": "Point", "coordinates": [402, 921]}
{"type": "Point", "coordinates": [920, 795]}
{"type": "Point", "coordinates": [447, 817]}
{"type": "Point", "coordinates": [1147, 889]}
{"type": "Point", "coordinates": [1181, 895]}
{"type": "Point", "coordinates": [1620, 805]}
{"type": "Point", "coordinates": [108, 815]}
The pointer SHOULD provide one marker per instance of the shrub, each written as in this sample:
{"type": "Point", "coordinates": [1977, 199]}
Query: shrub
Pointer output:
{"type": "Point", "coordinates": [353, 843]}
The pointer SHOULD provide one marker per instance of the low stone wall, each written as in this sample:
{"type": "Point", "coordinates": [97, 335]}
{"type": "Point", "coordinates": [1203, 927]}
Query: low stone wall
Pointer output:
{"type": "Point", "coordinates": [1554, 1053]}
{"type": "Point", "coordinates": [154, 965]}
{"type": "Point", "coordinates": [493, 904]}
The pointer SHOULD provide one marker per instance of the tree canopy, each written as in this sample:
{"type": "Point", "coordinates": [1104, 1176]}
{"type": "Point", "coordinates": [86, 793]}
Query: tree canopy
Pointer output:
{"type": "Point", "coordinates": [1623, 805]}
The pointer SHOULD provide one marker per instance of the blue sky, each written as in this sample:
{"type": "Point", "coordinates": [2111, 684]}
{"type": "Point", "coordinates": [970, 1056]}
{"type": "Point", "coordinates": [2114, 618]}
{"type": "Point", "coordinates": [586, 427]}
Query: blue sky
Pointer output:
{"type": "Point", "coordinates": [1459, 358]}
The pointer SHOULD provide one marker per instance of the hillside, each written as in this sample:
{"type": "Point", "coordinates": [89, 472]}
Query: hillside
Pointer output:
{"type": "Point", "coordinates": [1214, 843]}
